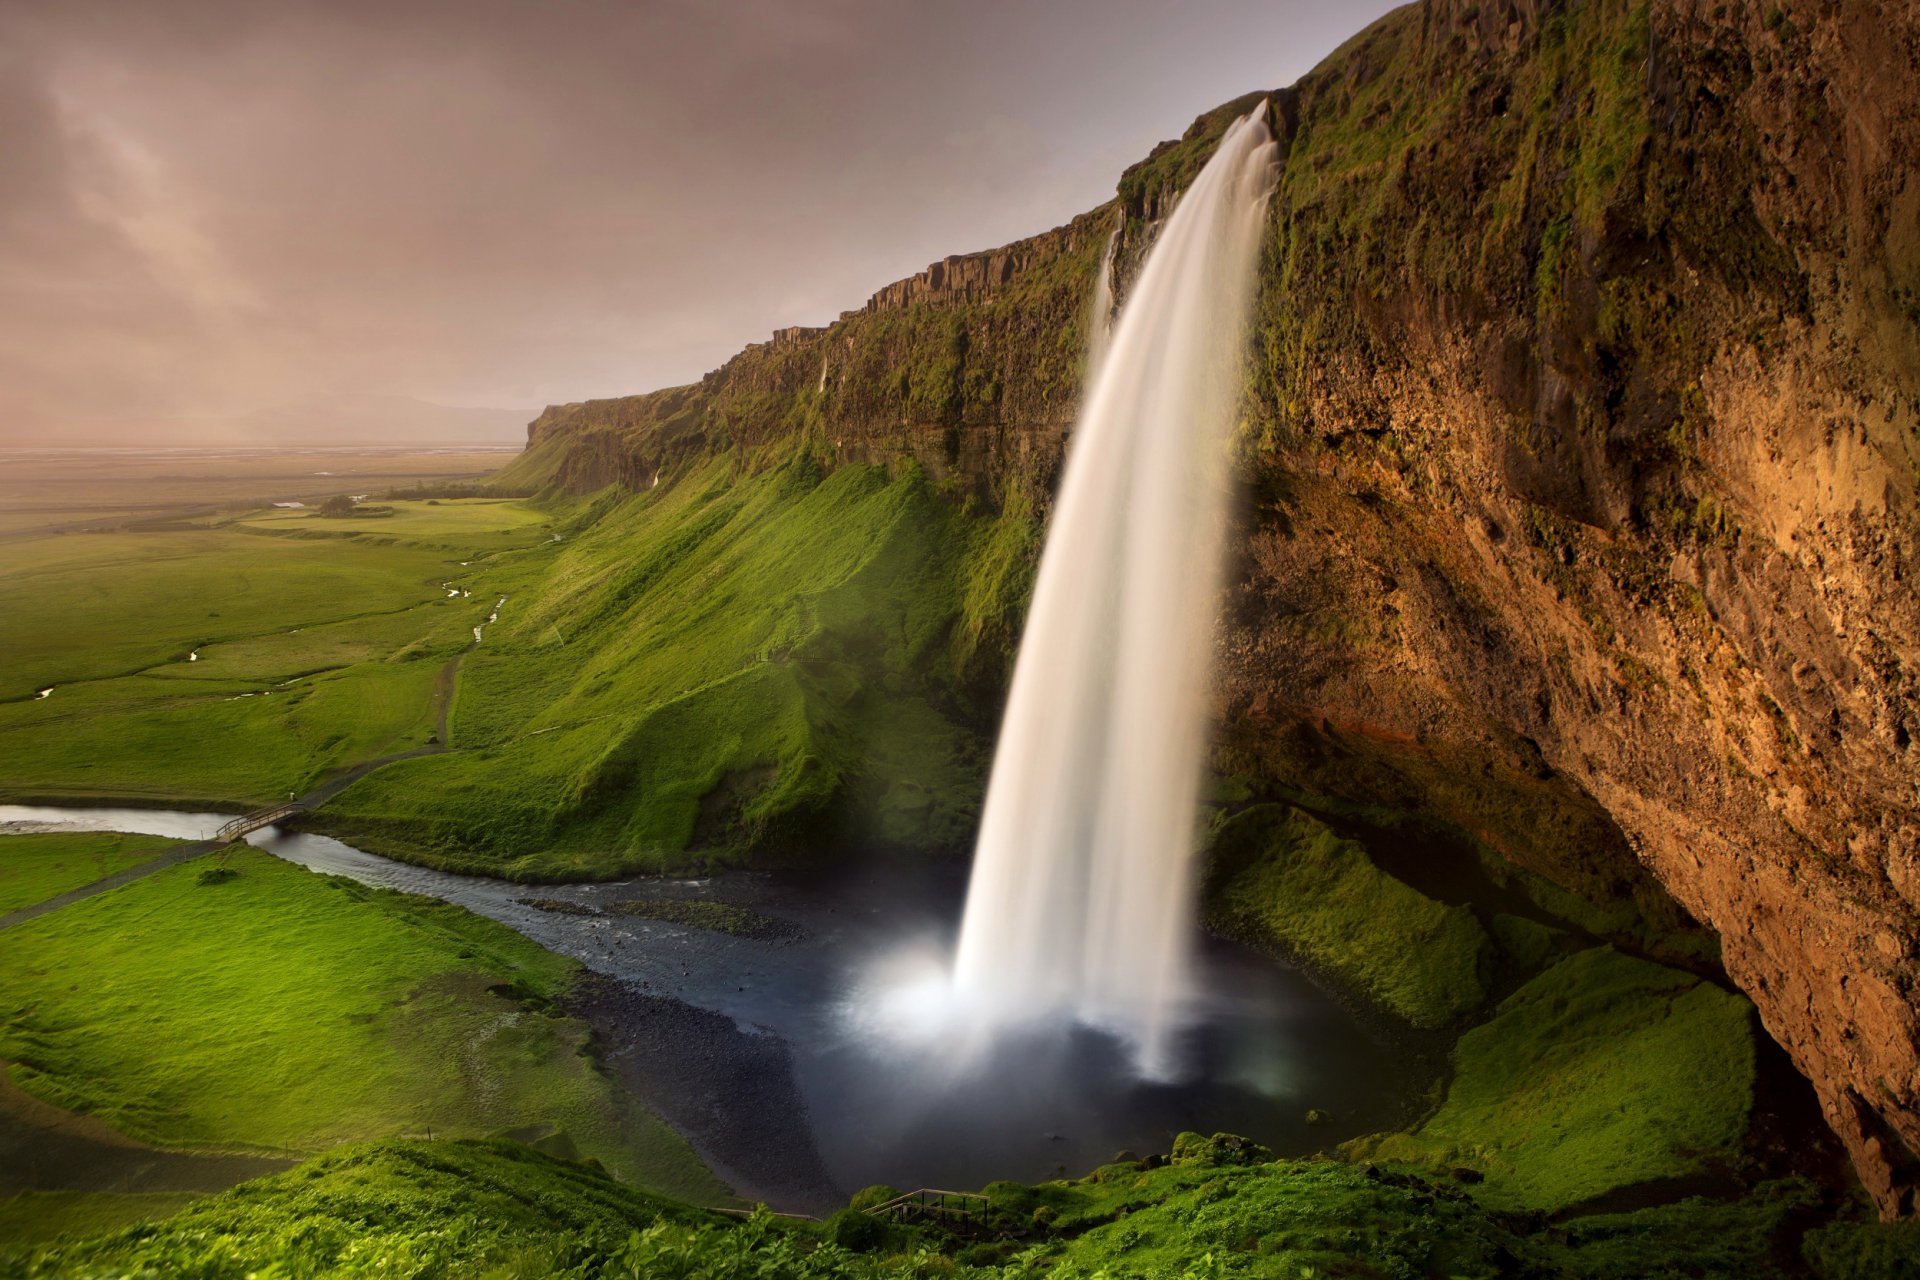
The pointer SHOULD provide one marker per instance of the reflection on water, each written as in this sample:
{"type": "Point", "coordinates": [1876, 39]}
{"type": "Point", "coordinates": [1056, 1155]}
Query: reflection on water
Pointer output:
{"type": "Point", "coordinates": [1266, 1047]}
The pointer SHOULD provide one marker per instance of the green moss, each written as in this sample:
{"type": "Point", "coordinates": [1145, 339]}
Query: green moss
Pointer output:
{"type": "Point", "coordinates": [1603, 1072]}
{"type": "Point", "coordinates": [1865, 1251]}
{"type": "Point", "coordinates": [1280, 877]}
{"type": "Point", "coordinates": [1525, 945]}
{"type": "Point", "coordinates": [441, 1208]}
{"type": "Point", "coordinates": [1744, 1238]}
{"type": "Point", "coordinates": [494, 1209]}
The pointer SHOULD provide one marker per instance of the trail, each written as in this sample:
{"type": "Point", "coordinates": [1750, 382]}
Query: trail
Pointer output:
{"type": "Point", "coordinates": [440, 707]}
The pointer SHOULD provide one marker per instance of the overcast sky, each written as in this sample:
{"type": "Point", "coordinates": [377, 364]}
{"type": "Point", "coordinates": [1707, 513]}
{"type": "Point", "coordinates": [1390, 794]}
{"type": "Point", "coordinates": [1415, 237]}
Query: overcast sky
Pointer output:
{"type": "Point", "coordinates": [211, 207]}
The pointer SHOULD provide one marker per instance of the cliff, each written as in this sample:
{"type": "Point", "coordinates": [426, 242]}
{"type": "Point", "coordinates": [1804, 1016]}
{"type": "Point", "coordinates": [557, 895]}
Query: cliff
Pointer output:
{"type": "Point", "coordinates": [1581, 458]}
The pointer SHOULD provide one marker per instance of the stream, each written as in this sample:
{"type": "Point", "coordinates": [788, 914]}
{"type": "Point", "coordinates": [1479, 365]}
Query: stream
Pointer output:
{"type": "Point", "coordinates": [770, 1054]}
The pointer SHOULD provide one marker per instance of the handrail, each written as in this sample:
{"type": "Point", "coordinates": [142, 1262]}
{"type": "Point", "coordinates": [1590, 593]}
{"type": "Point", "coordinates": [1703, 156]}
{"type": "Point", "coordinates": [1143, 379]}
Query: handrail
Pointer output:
{"type": "Point", "coordinates": [934, 1200]}
{"type": "Point", "coordinates": [248, 823]}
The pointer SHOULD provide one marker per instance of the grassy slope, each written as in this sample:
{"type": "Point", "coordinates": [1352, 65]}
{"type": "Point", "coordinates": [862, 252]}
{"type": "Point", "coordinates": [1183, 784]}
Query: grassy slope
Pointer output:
{"type": "Point", "coordinates": [1603, 1072]}
{"type": "Point", "coordinates": [409, 1209]}
{"type": "Point", "coordinates": [42, 1217]}
{"type": "Point", "coordinates": [397, 1209]}
{"type": "Point", "coordinates": [34, 868]}
{"type": "Point", "coordinates": [315, 651]}
{"type": "Point", "coordinates": [283, 1010]}
{"type": "Point", "coordinates": [1279, 877]}
{"type": "Point", "coordinates": [718, 664]}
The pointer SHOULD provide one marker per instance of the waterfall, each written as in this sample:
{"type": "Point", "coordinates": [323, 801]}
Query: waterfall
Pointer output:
{"type": "Point", "coordinates": [1082, 897]}
{"type": "Point", "coordinates": [1100, 326]}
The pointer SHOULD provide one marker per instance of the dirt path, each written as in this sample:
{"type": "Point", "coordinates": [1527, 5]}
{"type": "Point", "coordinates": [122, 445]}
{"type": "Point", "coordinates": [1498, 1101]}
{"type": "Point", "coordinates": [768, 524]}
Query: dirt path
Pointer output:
{"type": "Point", "coordinates": [442, 709]}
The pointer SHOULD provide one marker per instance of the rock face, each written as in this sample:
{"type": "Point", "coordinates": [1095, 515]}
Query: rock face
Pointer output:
{"type": "Point", "coordinates": [1582, 463]}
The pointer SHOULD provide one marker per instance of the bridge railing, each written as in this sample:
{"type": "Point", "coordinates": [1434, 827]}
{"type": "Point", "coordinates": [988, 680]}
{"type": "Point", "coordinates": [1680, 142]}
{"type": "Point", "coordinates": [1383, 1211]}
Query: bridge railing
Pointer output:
{"type": "Point", "coordinates": [248, 823]}
{"type": "Point", "coordinates": [931, 1202]}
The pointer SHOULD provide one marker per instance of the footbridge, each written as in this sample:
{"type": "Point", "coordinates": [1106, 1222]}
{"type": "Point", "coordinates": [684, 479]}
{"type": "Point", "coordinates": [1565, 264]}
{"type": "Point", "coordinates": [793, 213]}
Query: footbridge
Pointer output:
{"type": "Point", "coordinates": [248, 823]}
{"type": "Point", "coordinates": [961, 1211]}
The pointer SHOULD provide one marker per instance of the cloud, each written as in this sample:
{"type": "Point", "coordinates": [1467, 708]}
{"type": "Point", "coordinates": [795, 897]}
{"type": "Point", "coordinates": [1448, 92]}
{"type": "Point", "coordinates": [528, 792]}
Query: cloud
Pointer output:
{"type": "Point", "coordinates": [211, 207]}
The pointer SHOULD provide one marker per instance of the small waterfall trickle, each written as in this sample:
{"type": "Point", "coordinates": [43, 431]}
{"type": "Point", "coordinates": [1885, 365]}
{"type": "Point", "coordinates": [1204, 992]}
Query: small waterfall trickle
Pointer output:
{"type": "Point", "coordinates": [1100, 323]}
{"type": "Point", "coordinates": [1081, 901]}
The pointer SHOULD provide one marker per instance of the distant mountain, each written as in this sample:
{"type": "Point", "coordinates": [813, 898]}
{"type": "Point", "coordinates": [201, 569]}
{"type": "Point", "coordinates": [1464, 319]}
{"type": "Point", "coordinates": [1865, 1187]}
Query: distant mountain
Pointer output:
{"type": "Point", "coordinates": [354, 419]}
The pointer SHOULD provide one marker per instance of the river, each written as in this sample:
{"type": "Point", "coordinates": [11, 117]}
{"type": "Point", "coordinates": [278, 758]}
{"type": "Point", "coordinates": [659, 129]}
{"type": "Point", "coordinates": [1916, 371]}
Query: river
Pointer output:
{"type": "Point", "coordinates": [764, 1051]}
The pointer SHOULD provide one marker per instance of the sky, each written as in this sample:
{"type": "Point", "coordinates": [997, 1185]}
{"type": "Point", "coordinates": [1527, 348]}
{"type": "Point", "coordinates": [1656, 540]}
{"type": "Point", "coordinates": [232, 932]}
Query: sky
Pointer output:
{"type": "Point", "coordinates": [214, 210]}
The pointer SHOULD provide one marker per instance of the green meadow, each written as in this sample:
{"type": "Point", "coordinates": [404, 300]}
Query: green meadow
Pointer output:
{"type": "Point", "coordinates": [36, 867]}
{"type": "Point", "coordinates": [232, 663]}
{"type": "Point", "coordinates": [240, 1003]}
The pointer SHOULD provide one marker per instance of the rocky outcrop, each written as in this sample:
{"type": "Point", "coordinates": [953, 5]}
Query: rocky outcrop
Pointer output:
{"type": "Point", "coordinates": [1582, 454]}
{"type": "Point", "coordinates": [970, 369]}
{"type": "Point", "coordinates": [1590, 458]}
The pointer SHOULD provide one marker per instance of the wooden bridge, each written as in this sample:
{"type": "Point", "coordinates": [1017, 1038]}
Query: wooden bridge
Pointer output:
{"type": "Point", "coordinates": [248, 823]}
{"type": "Point", "coordinates": [962, 1211]}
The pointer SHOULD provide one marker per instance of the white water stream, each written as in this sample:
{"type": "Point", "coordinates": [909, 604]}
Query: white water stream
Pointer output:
{"type": "Point", "coordinates": [1081, 902]}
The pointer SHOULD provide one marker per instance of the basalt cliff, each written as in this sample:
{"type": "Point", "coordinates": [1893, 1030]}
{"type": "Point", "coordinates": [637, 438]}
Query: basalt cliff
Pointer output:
{"type": "Point", "coordinates": [1580, 453]}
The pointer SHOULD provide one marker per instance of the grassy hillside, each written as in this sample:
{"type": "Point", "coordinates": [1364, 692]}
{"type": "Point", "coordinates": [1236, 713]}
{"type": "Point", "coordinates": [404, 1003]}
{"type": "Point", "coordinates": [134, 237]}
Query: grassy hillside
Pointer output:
{"type": "Point", "coordinates": [1219, 1209]}
{"type": "Point", "coordinates": [239, 1002]}
{"type": "Point", "coordinates": [724, 663]}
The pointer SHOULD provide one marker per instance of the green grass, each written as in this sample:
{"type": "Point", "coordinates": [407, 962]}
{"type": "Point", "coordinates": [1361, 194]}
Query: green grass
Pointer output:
{"type": "Point", "coordinates": [1865, 1251]}
{"type": "Point", "coordinates": [213, 741]}
{"type": "Point", "coordinates": [1279, 877]}
{"type": "Point", "coordinates": [720, 665]}
{"type": "Point", "coordinates": [36, 867]}
{"type": "Point", "coordinates": [497, 1210]}
{"type": "Point", "coordinates": [280, 1010]}
{"type": "Point", "coordinates": [41, 1217]}
{"type": "Point", "coordinates": [87, 606]}
{"type": "Point", "coordinates": [313, 653]}
{"type": "Point", "coordinates": [395, 1209]}
{"type": "Point", "coordinates": [481, 523]}
{"type": "Point", "coordinates": [1605, 1071]}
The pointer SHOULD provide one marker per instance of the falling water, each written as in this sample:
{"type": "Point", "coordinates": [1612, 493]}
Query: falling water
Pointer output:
{"type": "Point", "coordinates": [1101, 320]}
{"type": "Point", "coordinates": [1081, 901]}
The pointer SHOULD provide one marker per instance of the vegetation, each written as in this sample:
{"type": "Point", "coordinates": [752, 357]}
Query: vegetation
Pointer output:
{"type": "Point", "coordinates": [495, 1209]}
{"type": "Point", "coordinates": [1605, 1071]}
{"type": "Point", "coordinates": [36, 867]}
{"type": "Point", "coordinates": [217, 666]}
{"type": "Point", "coordinates": [299, 1011]}
{"type": "Point", "coordinates": [719, 665]}
{"type": "Point", "coordinates": [1280, 877]}
{"type": "Point", "coordinates": [40, 1217]}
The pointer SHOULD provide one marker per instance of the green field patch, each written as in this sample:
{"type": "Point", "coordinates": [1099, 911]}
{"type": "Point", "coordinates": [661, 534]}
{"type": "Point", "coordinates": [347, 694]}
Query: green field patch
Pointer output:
{"type": "Point", "coordinates": [277, 1010]}
{"type": "Point", "coordinates": [1605, 1071]}
{"type": "Point", "coordinates": [43, 865]}
{"type": "Point", "coordinates": [482, 525]}
{"type": "Point", "coordinates": [438, 629]}
{"type": "Point", "coordinates": [85, 606]}
{"type": "Point", "coordinates": [1278, 877]}
{"type": "Point", "coordinates": [211, 741]}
